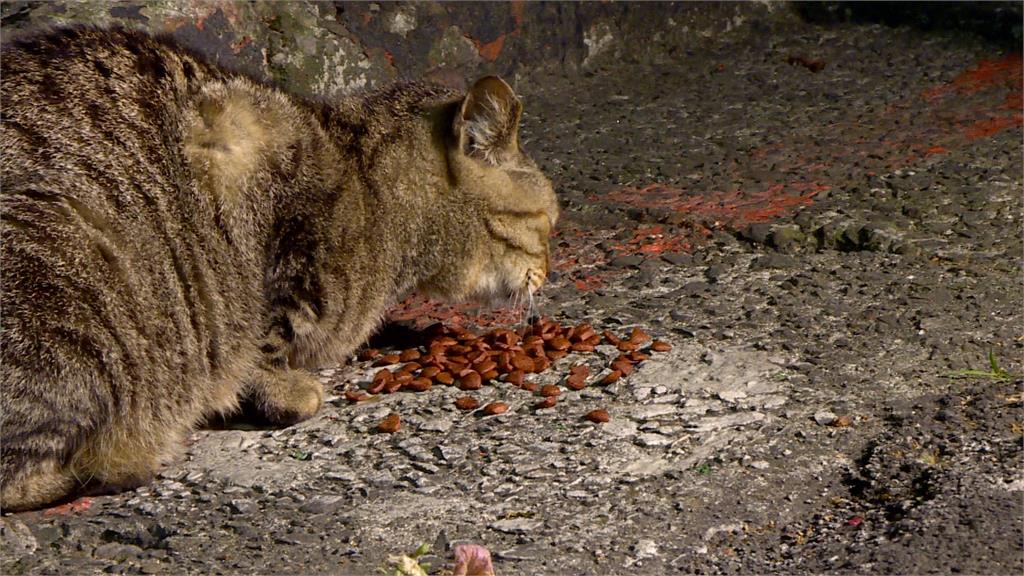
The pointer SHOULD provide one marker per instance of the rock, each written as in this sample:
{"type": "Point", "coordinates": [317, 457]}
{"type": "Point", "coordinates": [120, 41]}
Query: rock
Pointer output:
{"type": "Point", "coordinates": [16, 538]}
{"type": "Point", "coordinates": [626, 261]}
{"type": "Point", "coordinates": [516, 525]}
{"type": "Point", "coordinates": [727, 421]}
{"type": "Point", "coordinates": [117, 551]}
{"type": "Point", "coordinates": [440, 424]}
{"type": "Point", "coordinates": [645, 549]}
{"type": "Point", "coordinates": [824, 417]}
{"type": "Point", "coordinates": [322, 505]}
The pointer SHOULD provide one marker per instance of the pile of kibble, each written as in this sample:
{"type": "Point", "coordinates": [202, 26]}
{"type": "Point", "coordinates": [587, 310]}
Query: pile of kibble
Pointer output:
{"type": "Point", "coordinates": [458, 357]}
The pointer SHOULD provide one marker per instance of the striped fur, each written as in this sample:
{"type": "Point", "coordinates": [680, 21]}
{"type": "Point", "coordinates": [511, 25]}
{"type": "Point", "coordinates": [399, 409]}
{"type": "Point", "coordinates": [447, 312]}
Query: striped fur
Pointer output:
{"type": "Point", "coordinates": [177, 237]}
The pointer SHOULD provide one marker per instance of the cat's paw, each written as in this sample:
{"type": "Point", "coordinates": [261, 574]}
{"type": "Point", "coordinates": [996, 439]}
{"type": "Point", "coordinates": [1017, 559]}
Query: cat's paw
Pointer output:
{"type": "Point", "coordinates": [286, 397]}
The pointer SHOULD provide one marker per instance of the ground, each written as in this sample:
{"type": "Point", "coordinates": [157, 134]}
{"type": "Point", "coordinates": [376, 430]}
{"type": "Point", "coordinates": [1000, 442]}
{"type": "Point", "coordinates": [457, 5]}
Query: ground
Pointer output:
{"type": "Point", "coordinates": [825, 226]}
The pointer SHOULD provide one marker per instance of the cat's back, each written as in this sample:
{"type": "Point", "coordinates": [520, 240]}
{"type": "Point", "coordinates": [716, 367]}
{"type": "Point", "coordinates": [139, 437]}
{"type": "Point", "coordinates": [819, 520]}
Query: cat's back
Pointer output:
{"type": "Point", "coordinates": [108, 250]}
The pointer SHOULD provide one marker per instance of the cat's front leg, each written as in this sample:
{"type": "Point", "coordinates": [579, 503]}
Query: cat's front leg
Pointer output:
{"type": "Point", "coordinates": [283, 395]}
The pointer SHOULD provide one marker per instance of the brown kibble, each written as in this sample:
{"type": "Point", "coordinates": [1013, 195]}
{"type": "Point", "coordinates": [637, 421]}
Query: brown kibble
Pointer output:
{"type": "Point", "coordinates": [455, 367]}
{"type": "Point", "coordinates": [355, 395]}
{"type": "Point", "coordinates": [515, 377]}
{"type": "Point", "coordinates": [445, 378]}
{"type": "Point", "coordinates": [637, 356]}
{"type": "Point", "coordinates": [559, 343]}
{"type": "Point", "coordinates": [409, 355]}
{"type": "Point", "coordinates": [541, 364]}
{"type": "Point", "coordinates": [430, 372]}
{"type": "Point", "coordinates": [470, 381]}
{"type": "Point", "coordinates": [403, 377]}
{"type": "Point", "coordinates": [391, 424]}
{"type": "Point", "coordinates": [599, 416]}
{"type": "Point", "coordinates": [842, 421]}
{"type": "Point", "coordinates": [623, 366]}
{"type": "Point", "coordinates": [626, 346]}
{"type": "Point", "coordinates": [548, 402]}
{"type": "Point", "coordinates": [556, 354]}
{"type": "Point", "coordinates": [529, 386]}
{"type": "Point", "coordinates": [549, 390]}
{"type": "Point", "coordinates": [411, 367]}
{"type": "Point", "coordinates": [393, 386]}
{"type": "Point", "coordinates": [611, 377]}
{"type": "Point", "coordinates": [582, 347]}
{"type": "Point", "coordinates": [583, 333]}
{"type": "Point", "coordinates": [580, 369]}
{"type": "Point", "coordinates": [445, 341]}
{"type": "Point", "coordinates": [638, 336]}
{"type": "Point", "coordinates": [489, 375]}
{"type": "Point", "coordinates": [368, 354]}
{"type": "Point", "coordinates": [659, 346]}
{"type": "Point", "coordinates": [387, 360]}
{"type": "Point", "coordinates": [420, 384]}
{"type": "Point", "coordinates": [576, 381]}
{"type": "Point", "coordinates": [466, 403]}
{"type": "Point", "coordinates": [485, 366]}
{"type": "Point", "coordinates": [611, 338]}
{"type": "Point", "coordinates": [495, 408]}
{"type": "Point", "coordinates": [593, 340]}
{"type": "Point", "coordinates": [523, 362]}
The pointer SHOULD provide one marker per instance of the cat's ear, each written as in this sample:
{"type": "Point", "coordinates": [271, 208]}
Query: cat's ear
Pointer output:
{"type": "Point", "coordinates": [487, 125]}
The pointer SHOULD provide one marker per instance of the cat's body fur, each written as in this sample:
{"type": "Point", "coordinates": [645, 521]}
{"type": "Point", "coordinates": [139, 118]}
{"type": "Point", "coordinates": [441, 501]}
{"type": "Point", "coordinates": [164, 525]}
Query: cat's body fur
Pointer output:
{"type": "Point", "coordinates": [177, 237]}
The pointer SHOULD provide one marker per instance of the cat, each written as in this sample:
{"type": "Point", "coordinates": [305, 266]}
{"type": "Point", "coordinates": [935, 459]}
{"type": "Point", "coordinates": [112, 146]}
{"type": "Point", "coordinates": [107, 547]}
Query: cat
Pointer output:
{"type": "Point", "coordinates": [178, 238]}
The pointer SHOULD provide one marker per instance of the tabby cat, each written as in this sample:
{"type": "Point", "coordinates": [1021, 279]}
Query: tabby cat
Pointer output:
{"type": "Point", "coordinates": [177, 238]}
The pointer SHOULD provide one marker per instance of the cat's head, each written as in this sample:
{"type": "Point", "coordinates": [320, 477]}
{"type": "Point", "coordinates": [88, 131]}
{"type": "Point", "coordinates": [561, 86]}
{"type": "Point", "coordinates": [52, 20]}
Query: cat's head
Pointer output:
{"type": "Point", "coordinates": [509, 257]}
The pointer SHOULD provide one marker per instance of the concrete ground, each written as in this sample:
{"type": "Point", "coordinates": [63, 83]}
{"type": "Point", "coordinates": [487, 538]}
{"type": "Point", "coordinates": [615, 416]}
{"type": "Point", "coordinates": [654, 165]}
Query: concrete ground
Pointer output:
{"type": "Point", "coordinates": [825, 226]}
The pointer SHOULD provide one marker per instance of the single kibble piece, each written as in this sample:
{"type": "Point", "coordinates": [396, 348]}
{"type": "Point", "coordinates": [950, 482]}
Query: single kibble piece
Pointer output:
{"type": "Point", "coordinates": [391, 424]}
{"type": "Point", "coordinates": [626, 346]}
{"type": "Point", "coordinates": [409, 355]}
{"type": "Point", "coordinates": [580, 369]}
{"type": "Point", "coordinates": [430, 372]}
{"type": "Point", "coordinates": [523, 362]}
{"type": "Point", "coordinates": [550, 390]}
{"type": "Point", "coordinates": [470, 381]}
{"type": "Point", "coordinates": [611, 377]}
{"type": "Point", "coordinates": [559, 343]}
{"type": "Point", "coordinates": [576, 382]}
{"type": "Point", "coordinates": [495, 408]}
{"type": "Point", "coordinates": [387, 360]}
{"type": "Point", "coordinates": [548, 402]}
{"type": "Point", "coordinates": [611, 338]}
{"type": "Point", "coordinates": [368, 354]}
{"type": "Point", "coordinates": [515, 377]}
{"type": "Point", "coordinates": [529, 386]}
{"type": "Point", "coordinates": [659, 346]}
{"type": "Point", "coordinates": [355, 395]}
{"type": "Point", "coordinates": [623, 366]}
{"type": "Point", "coordinates": [420, 384]}
{"type": "Point", "coordinates": [445, 378]}
{"type": "Point", "coordinates": [599, 416]}
{"type": "Point", "coordinates": [842, 421]}
{"type": "Point", "coordinates": [638, 336]}
{"type": "Point", "coordinates": [466, 403]}
{"type": "Point", "coordinates": [411, 367]}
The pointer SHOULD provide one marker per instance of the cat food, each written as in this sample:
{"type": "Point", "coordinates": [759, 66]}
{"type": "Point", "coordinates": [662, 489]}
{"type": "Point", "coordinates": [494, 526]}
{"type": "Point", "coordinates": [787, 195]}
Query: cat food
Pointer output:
{"type": "Point", "coordinates": [466, 403]}
{"type": "Point", "coordinates": [458, 357]}
{"type": "Point", "coordinates": [495, 408]}
{"type": "Point", "coordinates": [391, 424]}
{"type": "Point", "coordinates": [598, 416]}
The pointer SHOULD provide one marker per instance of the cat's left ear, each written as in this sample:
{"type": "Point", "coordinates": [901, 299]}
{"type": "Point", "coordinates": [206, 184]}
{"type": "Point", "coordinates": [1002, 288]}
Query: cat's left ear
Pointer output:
{"type": "Point", "coordinates": [487, 125]}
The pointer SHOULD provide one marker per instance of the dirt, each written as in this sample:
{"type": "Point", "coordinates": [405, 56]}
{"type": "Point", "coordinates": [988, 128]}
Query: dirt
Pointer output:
{"type": "Point", "coordinates": [834, 253]}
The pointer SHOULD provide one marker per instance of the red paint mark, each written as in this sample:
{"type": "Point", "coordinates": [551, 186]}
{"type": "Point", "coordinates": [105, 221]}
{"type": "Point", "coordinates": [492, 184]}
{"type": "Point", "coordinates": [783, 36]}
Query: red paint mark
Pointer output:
{"type": "Point", "coordinates": [990, 126]}
{"type": "Point", "coordinates": [80, 505]}
{"type": "Point", "coordinates": [985, 74]}
{"type": "Point", "coordinates": [935, 150]}
{"type": "Point", "coordinates": [490, 50]}
{"type": "Point", "coordinates": [737, 207]}
{"type": "Point", "coordinates": [654, 240]}
{"type": "Point", "coordinates": [390, 57]}
{"type": "Point", "coordinates": [854, 521]}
